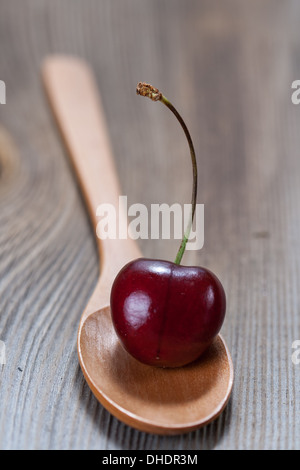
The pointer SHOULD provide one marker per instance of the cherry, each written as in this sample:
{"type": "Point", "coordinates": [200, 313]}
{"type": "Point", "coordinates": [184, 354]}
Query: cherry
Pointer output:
{"type": "Point", "coordinates": [166, 314]}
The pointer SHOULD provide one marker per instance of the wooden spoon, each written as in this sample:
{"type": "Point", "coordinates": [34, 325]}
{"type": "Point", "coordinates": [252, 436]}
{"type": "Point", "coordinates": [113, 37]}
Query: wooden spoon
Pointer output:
{"type": "Point", "coordinates": [163, 401]}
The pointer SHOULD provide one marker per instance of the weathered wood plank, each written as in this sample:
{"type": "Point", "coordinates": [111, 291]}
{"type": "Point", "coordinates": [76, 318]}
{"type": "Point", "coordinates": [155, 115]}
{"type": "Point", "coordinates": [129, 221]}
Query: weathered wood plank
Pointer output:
{"type": "Point", "coordinates": [228, 66]}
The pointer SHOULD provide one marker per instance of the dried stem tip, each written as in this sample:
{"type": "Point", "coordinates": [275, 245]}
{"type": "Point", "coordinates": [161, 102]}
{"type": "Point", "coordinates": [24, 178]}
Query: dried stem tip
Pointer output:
{"type": "Point", "coordinates": [145, 89]}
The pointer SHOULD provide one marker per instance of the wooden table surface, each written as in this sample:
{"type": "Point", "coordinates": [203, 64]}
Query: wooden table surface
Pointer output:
{"type": "Point", "coordinates": [228, 66]}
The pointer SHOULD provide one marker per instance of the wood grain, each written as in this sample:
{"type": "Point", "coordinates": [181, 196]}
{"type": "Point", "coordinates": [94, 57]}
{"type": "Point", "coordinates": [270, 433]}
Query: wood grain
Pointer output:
{"type": "Point", "coordinates": [228, 66]}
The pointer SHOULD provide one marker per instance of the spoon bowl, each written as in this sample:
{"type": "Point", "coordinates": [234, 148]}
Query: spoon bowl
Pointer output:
{"type": "Point", "coordinates": [162, 401]}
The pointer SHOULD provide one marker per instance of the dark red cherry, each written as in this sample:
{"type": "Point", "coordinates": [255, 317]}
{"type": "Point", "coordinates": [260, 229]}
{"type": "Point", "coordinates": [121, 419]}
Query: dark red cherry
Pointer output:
{"type": "Point", "coordinates": [166, 314]}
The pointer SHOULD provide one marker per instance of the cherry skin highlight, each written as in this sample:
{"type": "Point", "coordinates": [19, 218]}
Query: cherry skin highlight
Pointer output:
{"type": "Point", "coordinates": [165, 314]}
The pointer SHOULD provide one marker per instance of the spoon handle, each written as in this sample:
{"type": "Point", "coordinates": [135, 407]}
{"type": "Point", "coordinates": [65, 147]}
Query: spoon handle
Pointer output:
{"type": "Point", "coordinates": [76, 104]}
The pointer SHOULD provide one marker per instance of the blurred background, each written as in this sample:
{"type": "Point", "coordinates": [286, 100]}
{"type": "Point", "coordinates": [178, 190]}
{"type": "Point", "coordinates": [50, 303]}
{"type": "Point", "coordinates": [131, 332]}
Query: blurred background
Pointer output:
{"type": "Point", "coordinates": [228, 67]}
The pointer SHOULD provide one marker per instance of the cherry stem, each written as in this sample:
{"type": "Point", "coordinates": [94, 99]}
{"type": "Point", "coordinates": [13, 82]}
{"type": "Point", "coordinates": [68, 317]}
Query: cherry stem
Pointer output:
{"type": "Point", "coordinates": [144, 89]}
